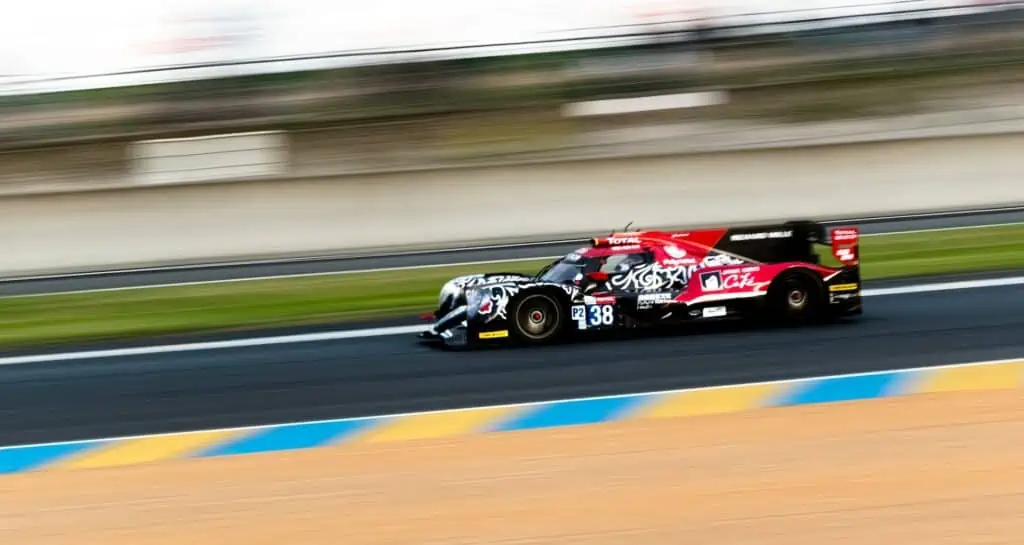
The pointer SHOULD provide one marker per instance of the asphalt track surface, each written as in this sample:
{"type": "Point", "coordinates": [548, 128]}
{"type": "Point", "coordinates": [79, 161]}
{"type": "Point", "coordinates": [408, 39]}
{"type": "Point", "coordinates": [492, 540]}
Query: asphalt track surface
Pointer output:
{"type": "Point", "coordinates": [328, 264]}
{"type": "Point", "coordinates": [56, 401]}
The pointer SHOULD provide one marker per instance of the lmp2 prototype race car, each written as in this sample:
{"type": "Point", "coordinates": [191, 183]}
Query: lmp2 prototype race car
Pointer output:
{"type": "Point", "coordinates": [634, 279]}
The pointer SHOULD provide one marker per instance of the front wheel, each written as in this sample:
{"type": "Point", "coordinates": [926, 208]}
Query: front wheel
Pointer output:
{"type": "Point", "coordinates": [537, 318]}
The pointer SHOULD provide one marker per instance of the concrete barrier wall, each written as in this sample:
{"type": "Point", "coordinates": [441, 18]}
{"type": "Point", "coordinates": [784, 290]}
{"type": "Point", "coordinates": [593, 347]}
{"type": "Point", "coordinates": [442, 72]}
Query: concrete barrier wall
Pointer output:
{"type": "Point", "coordinates": [229, 221]}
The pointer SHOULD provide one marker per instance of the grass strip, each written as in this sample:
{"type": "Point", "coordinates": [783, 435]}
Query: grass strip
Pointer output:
{"type": "Point", "coordinates": [350, 297]}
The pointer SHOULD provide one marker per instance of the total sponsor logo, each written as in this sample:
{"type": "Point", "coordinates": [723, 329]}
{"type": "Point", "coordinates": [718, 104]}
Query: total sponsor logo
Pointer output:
{"type": "Point", "coordinates": [764, 235]}
{"type": "Point", "coordinates": [623, 240]}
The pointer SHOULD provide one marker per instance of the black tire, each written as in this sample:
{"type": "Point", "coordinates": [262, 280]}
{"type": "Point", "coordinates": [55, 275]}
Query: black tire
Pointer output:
{"type": "Point", "coordinates": [796, 298]}
{"type": "Point", "coordinates": [536, 318]}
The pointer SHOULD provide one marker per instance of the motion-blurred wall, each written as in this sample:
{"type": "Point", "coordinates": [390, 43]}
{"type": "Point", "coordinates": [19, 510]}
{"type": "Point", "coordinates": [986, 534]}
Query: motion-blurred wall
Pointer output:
{"type": "Point", "coordinates": [325, 151]}
{"type": "Point", "coordinates": [230, 221]}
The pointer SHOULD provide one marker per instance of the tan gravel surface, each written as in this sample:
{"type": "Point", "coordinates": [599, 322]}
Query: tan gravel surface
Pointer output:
{"type": "Point", "coordinates": [927, 470]}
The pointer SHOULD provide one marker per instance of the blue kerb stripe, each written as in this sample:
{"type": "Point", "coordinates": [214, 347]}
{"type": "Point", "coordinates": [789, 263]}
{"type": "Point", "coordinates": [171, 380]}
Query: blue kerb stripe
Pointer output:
{"type": "Point", "coordinates": [843, 389]}
{"type": "Point", "coordinates": [570, 413]}
{"type": "Point", "coordinates": [289, 437]}
{"type": "Point", "coordinates": [15, 459]}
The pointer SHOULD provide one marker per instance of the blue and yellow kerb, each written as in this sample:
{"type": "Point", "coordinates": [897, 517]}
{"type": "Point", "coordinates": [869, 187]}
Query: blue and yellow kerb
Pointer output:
{"type": "Point", "coordinates": [654, 405]}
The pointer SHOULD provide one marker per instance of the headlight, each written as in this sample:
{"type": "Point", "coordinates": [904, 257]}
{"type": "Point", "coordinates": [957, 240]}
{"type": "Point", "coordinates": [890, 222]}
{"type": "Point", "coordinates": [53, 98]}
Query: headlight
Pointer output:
{"type": "Point", "coordinates": [449, 293]}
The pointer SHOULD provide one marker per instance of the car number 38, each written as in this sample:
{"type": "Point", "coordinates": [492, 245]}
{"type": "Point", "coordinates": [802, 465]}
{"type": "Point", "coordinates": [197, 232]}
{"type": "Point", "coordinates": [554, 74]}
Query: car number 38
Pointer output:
{"type": "Point", "coordinates": [593, 316]}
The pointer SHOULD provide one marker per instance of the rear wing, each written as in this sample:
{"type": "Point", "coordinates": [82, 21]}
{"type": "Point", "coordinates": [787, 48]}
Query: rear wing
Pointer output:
{"type": "Point", "coordinates": [792, 241]}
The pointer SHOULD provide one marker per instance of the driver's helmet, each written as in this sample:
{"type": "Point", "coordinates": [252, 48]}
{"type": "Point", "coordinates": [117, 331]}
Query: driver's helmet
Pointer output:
{"type": "Point", "coordinates": [628, 262]}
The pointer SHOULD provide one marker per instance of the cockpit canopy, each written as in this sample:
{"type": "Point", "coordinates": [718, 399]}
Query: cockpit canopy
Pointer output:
{"type": "Point", "coordinates": [575, 265]}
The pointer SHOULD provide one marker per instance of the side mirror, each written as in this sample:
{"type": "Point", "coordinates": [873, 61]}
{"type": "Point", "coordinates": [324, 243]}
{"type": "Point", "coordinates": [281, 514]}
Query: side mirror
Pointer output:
{"type": "Point", "coordinates": [597, 276]}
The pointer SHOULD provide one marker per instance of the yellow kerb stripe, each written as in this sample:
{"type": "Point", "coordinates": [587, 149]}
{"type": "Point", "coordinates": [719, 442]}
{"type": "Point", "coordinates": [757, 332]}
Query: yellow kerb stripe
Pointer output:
{"type": "Point", "coordinates": [146, 449]}
{"type": "Point", "coordinates": [711, 401]}
{"type": "Point", "coordinates": [434, 425]}
{"type": "Point", "coordinates": [976, 377]}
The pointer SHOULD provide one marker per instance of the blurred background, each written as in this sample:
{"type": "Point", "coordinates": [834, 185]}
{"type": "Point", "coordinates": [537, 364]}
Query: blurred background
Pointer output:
{"type": "Point", "coordinates": [336, 87]}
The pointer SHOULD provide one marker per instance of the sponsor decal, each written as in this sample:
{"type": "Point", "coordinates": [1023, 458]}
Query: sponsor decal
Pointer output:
{"type": "Point", "coordinates": [623, 240]}
{"type": "Point", "coordinates": [494, 334]}
{"type": "Point", "coordinates": [844, 287]}
{"type": "Point", "coordinates": [845, 254]}
{"type": "Point", "coordinates": [845, 235]}
{"type": "Point", "coordinates": [648, 300]}
{"type": "Point", "coordinates": [677, 257]}
{"type": "Point", "coordinates": [726, 280]}
{"type": "Point", "coordinates": [603, 300]}
{"type": "Point", "coordinates": [761, 236]}
{"type": "Point", "coordinates": [714, 312]}
{"type": "Point", "coordinates": [721, 260]}
{"type": "Point", "coordinates": [711, 281]}
{"type": "Point", "coordinates": [835, 297]}
{"type": "Point", "coordinates": [675, 252]}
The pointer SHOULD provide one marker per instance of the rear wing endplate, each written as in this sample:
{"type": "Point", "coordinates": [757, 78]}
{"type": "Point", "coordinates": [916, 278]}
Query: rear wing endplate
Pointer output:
{"type": "Point", "coordinates": [846, 245]}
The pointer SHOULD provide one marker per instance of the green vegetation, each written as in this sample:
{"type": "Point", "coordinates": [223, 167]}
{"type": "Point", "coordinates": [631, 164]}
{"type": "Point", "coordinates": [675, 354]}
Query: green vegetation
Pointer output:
{"type": "Point", "coordinates": [348, 297]}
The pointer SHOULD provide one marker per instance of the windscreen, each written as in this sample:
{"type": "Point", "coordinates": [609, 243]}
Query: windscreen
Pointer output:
{"type": "Point", "coordinates": [569, 268]}
{"type": "Point", "coordinates": [562, 271]}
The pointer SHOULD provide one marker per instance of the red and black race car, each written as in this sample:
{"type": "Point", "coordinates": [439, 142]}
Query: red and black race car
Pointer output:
{"type": "Point", "coordinates": [641, 278]}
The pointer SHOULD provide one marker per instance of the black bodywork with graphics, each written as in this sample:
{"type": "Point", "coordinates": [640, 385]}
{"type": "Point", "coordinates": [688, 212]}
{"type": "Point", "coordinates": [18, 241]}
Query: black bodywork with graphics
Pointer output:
{"type": "Point", "coordinates": [633, 279]}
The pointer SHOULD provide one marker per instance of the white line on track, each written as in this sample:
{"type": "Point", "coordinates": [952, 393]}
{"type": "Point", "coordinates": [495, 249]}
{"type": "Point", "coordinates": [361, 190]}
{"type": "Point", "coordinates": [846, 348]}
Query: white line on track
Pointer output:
{"type": "Point", "coordinates": [377, 270]}
{"type": "Point", "coordinates": [412, 329]}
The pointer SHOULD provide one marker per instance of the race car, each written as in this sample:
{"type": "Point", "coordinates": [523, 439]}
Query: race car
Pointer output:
{"type": "Point", "coordinates": [634, 279]}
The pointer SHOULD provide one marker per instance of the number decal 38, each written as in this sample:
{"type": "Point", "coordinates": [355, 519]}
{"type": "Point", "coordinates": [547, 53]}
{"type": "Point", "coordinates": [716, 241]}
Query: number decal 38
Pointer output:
{"type": "Point", "coordinates": [593, 316]}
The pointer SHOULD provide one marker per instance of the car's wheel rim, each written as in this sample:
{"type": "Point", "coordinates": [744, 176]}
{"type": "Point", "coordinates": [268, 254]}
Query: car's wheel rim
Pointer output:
{"type": "Point", "coordinates": [797, 299]}
{"type": "Point", "coordinates": [538, 317]}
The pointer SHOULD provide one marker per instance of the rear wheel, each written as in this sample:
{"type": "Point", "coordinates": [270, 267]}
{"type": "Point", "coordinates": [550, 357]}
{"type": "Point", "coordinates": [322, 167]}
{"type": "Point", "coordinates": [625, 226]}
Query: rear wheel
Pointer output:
{"type": "Point", "coordinates": [537, 318]}
{"type": "Point", "coordinates": [796, 298]}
